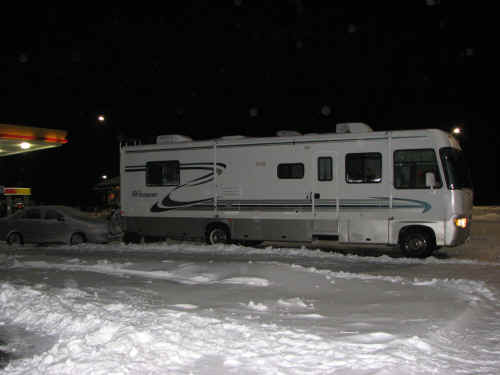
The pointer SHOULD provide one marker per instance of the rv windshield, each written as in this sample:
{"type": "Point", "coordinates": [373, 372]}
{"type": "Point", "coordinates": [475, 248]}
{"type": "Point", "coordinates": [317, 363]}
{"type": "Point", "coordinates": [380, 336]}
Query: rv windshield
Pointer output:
{"type": "Point", "coordinates": [455, 168]}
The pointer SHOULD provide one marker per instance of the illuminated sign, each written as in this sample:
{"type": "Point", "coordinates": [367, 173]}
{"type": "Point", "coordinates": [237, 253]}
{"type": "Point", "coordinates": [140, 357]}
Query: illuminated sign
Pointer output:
{"type": "Point", "coordinates": [16, 191]}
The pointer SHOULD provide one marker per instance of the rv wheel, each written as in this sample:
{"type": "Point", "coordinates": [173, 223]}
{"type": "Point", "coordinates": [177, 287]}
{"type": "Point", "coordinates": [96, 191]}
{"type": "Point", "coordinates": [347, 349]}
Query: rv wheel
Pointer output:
{"type": "Point", "coordinates": [416, 244]}
{"type": "Point", "coordinates": [217, 234]}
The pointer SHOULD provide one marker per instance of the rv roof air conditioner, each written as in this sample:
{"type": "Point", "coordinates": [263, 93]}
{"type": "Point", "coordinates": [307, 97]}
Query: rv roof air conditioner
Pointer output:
{"type": "Point", "coordinates": [172, 138]}
{"type": "Point", "coordinates": [353, 127]}
{"type": "Point", "coordinates": [288, 133]}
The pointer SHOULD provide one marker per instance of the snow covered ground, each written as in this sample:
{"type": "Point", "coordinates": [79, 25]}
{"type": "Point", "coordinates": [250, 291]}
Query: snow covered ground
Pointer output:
{"type": "Point", "coordinates": [187, 308]}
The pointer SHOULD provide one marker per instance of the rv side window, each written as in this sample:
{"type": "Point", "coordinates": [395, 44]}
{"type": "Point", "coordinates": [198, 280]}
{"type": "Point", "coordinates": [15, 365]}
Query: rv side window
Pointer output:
{"type": "Point", "coordinates": [410, 167]}
{"type": "Point", "coordinates": [325, 169]}
{"type": "Point", "coordinates": [363, 168]}
{"type": "Point", "coordinates": [289, 171]}
{"type": "Point", "coordinates": [162, 173]}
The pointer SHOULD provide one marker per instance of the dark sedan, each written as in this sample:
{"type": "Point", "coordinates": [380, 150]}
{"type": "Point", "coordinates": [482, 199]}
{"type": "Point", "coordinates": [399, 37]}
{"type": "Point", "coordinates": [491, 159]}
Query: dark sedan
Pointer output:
{"type": "Point", "coordinates": [53, 224]}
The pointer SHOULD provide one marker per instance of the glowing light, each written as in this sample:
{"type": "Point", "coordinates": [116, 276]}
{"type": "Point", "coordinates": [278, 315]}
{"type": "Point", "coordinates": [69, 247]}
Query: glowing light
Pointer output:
{"type": "Point", "coordinates": [457, 131]}
{"type": "Point", "coordinates": [101, 118]}
{"type": "Point", "coordinates": [25, 145]}
{"type": "Point", "coordinates": [104, 177]}
{"type": "Point", "coordinates": [462, 222]}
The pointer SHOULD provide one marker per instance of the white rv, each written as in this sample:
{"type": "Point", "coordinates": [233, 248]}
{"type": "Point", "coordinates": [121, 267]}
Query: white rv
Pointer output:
{"type": "Point", "coordinates": [406, 188]}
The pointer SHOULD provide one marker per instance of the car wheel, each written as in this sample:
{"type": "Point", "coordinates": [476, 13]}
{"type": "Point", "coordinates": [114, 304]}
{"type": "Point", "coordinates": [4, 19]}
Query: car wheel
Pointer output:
{"type": "Point", "coordinates": [77, 238]}
{"type": "Point", "coordinates": [217, 234]}
{"type": "Point", "coordinates": [416, 244]}
{"type": "Point", "coordinates": [15, 239]}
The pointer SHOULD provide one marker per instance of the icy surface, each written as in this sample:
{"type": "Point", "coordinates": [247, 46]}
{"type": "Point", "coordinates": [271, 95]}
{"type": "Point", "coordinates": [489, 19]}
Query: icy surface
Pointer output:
{"type": "Point", "coordinates": [187, 308]}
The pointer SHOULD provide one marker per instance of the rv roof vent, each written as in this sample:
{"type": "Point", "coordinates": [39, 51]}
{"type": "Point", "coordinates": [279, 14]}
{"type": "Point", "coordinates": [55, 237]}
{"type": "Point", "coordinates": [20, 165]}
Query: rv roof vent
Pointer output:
{"type": "Point", "coordinates": [230, 137]}
{"type": "Point", "coordinates": [353, 127]}
{"type": "Point", "coordinates": [172, 138]}
{"type": "Point", "coordinates": [287, 133]}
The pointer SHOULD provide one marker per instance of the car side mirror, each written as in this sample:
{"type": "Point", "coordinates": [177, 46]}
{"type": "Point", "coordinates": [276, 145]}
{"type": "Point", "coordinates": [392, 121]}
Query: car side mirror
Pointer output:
{"type": "Point", "coordinates": [430, 180]}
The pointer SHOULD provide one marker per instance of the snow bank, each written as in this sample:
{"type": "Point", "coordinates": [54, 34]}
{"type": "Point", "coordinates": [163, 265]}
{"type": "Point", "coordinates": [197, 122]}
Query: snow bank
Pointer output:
{"type": "Point", "coordinates": [94, 338]}
{"type": "Point", "coordinates": [347, 326]}
{"type": "Point", "coordinates": [195, 248]}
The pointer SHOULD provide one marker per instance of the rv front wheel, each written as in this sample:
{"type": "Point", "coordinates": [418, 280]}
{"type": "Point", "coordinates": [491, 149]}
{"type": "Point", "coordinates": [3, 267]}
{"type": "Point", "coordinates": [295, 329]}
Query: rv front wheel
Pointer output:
{"type": "Point", "coordinates": [416, 244]}
{"type": "Point", "coordinates": [217, 234]}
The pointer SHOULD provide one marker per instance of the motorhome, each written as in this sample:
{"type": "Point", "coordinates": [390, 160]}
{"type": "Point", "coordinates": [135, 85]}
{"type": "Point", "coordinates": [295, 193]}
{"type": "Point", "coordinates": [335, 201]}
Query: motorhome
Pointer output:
{"type": "Point", "coordinates": [408, 188]}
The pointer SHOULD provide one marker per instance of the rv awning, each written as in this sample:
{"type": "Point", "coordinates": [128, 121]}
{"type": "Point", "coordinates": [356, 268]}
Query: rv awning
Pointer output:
{"type": "Point", "coordinates": [17, 139]}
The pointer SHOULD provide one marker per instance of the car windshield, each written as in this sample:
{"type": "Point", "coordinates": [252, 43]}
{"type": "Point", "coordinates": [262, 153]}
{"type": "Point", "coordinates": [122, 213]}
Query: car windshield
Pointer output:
{"type": "Point", "coordinates": [455, 168]}
{"type": "Point", "coordinates": [77, 214]}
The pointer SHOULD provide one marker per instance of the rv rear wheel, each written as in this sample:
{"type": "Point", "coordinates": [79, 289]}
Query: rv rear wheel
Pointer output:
{"type": "Point", "coordinates": [217, 234]}
{"type": "Point", "coordinates": [416, 243]}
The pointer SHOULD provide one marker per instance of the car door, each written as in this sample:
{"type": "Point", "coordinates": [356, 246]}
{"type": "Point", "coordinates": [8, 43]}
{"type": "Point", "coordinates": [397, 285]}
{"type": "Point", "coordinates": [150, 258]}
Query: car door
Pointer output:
{"type": "Point", "coordinates": [30, 225]}
{"type": "Point", "coordinates": [55, 226]}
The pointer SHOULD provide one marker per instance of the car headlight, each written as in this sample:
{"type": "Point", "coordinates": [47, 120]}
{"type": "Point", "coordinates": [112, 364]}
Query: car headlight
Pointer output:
{"type": "Point", "coordinates": [462, 222]}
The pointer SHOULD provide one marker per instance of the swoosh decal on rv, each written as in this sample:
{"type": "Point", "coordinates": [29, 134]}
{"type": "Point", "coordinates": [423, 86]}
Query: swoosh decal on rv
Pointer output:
{"type": "Point", "coordinates": [372, 203]}
{"type": "Point", "coordinates": [168, 203]}
{"type": "Point", "coordinates": [171, 204]}
{"type": "Point", "coordinates": [408, 203]}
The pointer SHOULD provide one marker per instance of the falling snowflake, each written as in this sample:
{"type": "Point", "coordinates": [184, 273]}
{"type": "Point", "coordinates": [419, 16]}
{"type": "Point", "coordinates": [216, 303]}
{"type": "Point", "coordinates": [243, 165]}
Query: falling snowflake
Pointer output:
{"type": "Point", "coordinates": [254, 112]}
{"type": "Point", "coordinates": [23, 58]}
{"type": "Point", "coordinates": [326, 110]}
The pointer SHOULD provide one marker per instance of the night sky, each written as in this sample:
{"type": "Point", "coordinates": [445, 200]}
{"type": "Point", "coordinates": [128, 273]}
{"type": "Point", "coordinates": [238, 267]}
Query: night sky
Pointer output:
{"type": "Point", "coordinates": [213, 68]}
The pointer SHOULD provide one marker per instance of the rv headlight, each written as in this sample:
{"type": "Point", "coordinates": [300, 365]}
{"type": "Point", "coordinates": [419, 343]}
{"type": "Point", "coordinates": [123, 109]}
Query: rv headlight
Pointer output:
{"type": "Point", "coordinates": [462, 222]}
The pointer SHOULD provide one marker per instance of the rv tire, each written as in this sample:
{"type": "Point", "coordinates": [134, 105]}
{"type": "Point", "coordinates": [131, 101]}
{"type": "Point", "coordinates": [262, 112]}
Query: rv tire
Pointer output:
{"type": "Point", "coordinates": [217, 234]}
{"type": "Point", "coordinates": [416, 243]}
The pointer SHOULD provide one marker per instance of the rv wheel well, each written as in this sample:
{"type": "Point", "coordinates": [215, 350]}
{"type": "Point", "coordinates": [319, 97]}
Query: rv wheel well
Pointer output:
{"type": "Point", "coordinates": [218, 224]}
{"type": "Point", "coordinates": [418, 228]}
{"type": "Point", "coordinates": [217, 232]}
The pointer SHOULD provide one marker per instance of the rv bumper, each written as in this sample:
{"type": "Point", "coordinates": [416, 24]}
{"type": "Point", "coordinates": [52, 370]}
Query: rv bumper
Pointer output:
{"type": "Point", "coordinates": [458, 230]}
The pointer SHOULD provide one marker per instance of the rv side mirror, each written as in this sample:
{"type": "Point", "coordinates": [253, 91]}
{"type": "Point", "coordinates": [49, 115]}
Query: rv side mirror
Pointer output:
{"type": "Point", "coordinates": [430, 180]}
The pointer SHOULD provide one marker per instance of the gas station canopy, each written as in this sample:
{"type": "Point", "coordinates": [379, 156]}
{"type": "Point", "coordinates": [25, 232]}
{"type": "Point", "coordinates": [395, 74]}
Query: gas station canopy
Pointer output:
{"type": "Point", "coordinates": [17, 139]}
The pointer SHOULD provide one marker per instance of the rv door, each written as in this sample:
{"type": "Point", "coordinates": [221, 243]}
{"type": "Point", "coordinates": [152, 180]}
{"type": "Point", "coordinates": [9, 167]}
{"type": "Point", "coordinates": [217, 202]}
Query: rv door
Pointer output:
{"type": "Point", "coordinates": [324, 195]}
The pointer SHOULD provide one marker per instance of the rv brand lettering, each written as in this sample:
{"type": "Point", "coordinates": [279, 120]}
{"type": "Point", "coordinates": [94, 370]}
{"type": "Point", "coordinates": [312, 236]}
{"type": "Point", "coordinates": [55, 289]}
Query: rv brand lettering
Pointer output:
{"type": "Point", "coordinates": [140, 194]}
